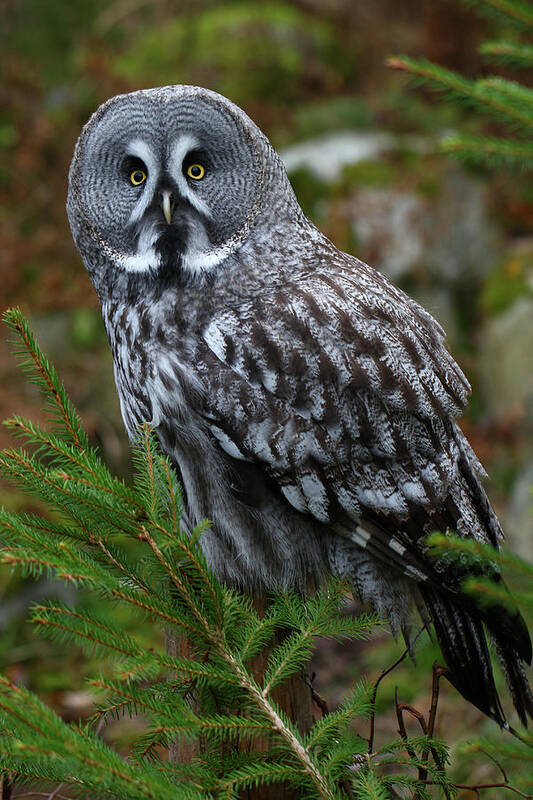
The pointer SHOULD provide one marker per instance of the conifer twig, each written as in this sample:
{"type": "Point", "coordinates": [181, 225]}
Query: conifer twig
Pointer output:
{"type": "Point", "coordinates": [48, 376]}
{"type": "Point", "coordinates": [512, 9]}
{"type": "Point", "coordinates": [254, 692]}
{"type": "Point", "coordinates": [89, 544]}
{"type": "Point", "coordinates": [474, 92]}
{"type": "Point", "coordinates": [381, 676]}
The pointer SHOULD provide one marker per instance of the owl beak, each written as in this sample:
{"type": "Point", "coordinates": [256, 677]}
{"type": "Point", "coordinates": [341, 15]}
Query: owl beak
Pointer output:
{"type": "Point", "coordinates": [167, 204]}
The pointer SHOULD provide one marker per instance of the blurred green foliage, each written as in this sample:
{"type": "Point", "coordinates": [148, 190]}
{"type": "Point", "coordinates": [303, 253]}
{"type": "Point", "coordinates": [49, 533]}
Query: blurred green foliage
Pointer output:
{"type": "Point", "coordinates": [331, 114]}
{"type": "Point", "coordinates": [44, 37]}
{"type": "Point", "coordinates": [244, 51]}
{"type": "Point", "coordinates": [301, 70]}
{"type": "Point", "coordinates": [507, 283]}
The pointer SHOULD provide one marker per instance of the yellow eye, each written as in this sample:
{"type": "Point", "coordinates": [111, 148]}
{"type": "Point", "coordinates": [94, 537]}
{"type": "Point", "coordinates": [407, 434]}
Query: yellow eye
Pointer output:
{"type": "Point", "coordinates": [137, 177]}
{"type": "Point", "coordinates": [196, 171]}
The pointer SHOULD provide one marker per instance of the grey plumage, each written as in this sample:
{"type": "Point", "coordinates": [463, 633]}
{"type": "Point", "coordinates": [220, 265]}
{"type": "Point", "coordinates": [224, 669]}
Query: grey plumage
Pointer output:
{"type": "Point", "coordinates": [309, 405]}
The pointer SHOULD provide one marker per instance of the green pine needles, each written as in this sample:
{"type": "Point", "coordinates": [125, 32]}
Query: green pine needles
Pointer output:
{"type": "Point", "coordinates": [508, 102]}
{"type": "Point", "coordinates": [127, 545]}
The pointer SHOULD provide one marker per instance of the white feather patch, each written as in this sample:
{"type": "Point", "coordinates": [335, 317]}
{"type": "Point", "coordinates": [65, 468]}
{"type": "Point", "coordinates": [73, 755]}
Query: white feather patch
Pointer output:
{"type": "Point", "coordinates": [295, 497]}
{"type": "Point", "coordinates": [205, 261]}
{"type": "Point", "coordinates": [183, 145]}
{"type": "Point", "coordinates": [214, 339]}
{"type": "Point", "coordinates": [142, 150]}
{"type": "Point", "coordinates": [227, 444]}
{"type": "Point", "coordinates": [316, 496]}
{"type": "Point", "coordinates": [146, 257]}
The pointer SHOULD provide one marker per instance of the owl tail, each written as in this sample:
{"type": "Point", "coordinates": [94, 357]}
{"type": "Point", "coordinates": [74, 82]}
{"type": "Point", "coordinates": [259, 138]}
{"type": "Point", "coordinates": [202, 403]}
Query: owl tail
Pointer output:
{"type": "Point", "coordinates": [516, 679]}
{"type": "Point", "coordinates": [463, 642]}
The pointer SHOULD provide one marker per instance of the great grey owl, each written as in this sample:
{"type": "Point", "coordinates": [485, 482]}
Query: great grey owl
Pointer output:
{"type": "Point", "coordinates": [309, 405]}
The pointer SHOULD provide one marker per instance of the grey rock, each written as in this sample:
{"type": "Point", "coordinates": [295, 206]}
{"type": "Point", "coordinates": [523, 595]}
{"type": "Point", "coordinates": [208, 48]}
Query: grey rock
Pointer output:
{"type": "Point", "coordinates": [449, 236]}
{"type": "Point", "coordinates": [518, 519]}
{"type": "Point", "coordinates": [389, 224]}
{"type": "Point", "coordinates": [463, 240]}
{"type": "Point", "coordinates": [506, 361]}
{"type": "Point", "coordinates": [326, 156]}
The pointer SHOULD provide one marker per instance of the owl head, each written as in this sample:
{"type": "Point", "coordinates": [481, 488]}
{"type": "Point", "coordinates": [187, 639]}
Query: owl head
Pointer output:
{"type": "Point", "coordinates": [170, 179]}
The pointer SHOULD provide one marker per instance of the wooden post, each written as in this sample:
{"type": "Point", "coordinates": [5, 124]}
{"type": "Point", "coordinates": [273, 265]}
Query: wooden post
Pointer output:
{"type": "Point", "coordinates": [293, 697]}
{"type": "Point", "coordinates": [181, 751]}
{"type": "Point", "coordinates": [6, 786]}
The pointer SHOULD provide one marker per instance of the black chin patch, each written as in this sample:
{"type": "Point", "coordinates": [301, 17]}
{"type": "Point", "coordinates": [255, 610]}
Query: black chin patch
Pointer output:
{"type": "Point", "coordinates": [173, 240]}
{"type": "Point", "coordinates": [171, 245]}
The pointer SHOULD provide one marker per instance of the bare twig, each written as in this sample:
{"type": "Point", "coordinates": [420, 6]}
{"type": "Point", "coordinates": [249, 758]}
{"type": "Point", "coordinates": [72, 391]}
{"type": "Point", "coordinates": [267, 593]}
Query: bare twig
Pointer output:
{"type": "Point", "coordinates": [422, 772]}
{"type": "Point", "coordinates": [495, 760]}
{"type": "Point", "coordinates": [477, 788]}
{"type": "Point", "coordinates": [315, 696]}
{"type": "Point", "coordinates": [438, 672]}
{"type": "Point", "coordinates": [55, 792]}
{"type": "Point", "coordinates": [416, 715]}
{"type": "Point", "coordinates": [6, 786]}
{"type": "Point", "coordinates": [383, 675]}
{"type": "Point", "coordinates": [480, 786]}
{"type": "Point", "coordinates": [428, 729]}
{"type": "Point", "coordinates": [376, 686]}
{"type": "Point", "coordinates": [401, 725]}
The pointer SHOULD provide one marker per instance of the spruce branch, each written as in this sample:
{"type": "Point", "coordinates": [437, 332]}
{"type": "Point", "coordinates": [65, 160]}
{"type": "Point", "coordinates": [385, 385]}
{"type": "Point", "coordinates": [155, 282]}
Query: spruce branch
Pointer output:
{"type": "Point", "coordinates": [490, 96]}
{"type": "Point", "coordinates": [516, 54]}
{"type": "Point", "coordinates": [327, 730]}
{"type": "Point", "coordinates": [76, 497]}
{"type": "Point", "coordinates": [282, 727]}
{"type": "Point", "coordinates": [247, 683]}
{"type": "Point", "coordinates": [514, 11]}
{"type": "Point", "coordinates": [508, 93]}
{"type": "Point", "coordinates": [369, 787]}
{"type": "Point", "coordinates": [287, 658]}
{"type": "Point", "coordinates": [63, 623]}
{"type": "Point", "coordinates": [505, 100]}
{"type": "Point", "coordinates": [252, 776]}
{"type": "Point", "coordinates": [256, 636]}
{"type": "Point", "coordinates": [131, 547]}
{"type": "Point", "coordinates": [82, 754]}
{"type": "Point", "coordinates": [42, 372]}
{"type": "Point", "coordinates": [497, 153]}
{"type": "Point", "coordinates": [86, 461]}
{"type": "Point", "coordinates": [126, 699]}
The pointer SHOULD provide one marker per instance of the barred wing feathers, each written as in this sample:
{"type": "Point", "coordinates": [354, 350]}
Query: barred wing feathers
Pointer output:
{"type": "Point", "coordinates": [343, 390]}
{"type": "Point", "coordinates": [340, 385]}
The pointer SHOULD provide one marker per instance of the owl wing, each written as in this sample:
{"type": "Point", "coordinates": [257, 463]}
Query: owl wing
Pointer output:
{"type": "Point", "coordinates": [341, 386]}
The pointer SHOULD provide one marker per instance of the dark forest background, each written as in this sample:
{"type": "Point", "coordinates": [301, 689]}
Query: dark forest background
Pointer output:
{"type": "Point", "coordinates": [361, 148]}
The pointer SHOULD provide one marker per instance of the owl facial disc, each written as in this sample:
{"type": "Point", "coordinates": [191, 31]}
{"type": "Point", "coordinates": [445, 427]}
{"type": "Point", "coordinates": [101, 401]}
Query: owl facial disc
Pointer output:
{"type": "Point", "coordinates": [166, 179]}
{"type": "Point", "coordinates": [168, 219]}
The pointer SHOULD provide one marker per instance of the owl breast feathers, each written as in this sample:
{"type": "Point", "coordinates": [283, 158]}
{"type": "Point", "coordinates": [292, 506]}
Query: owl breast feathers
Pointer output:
{"type": "Point", "coordinates": [309, 405]}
